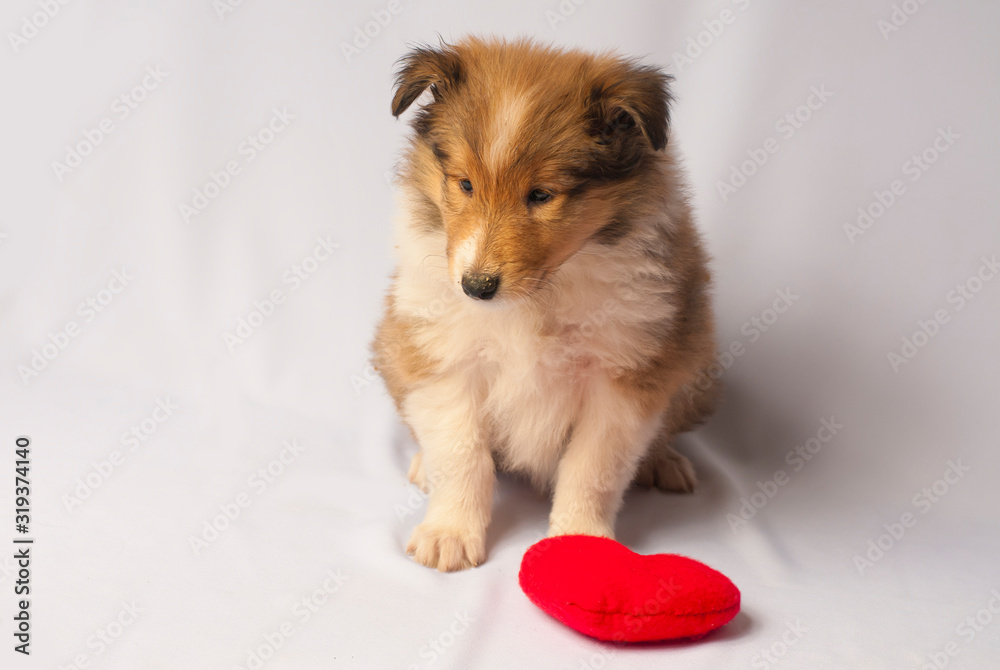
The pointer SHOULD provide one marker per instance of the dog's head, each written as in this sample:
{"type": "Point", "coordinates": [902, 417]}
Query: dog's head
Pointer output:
{"type": "Point", "coordinates": [527, 152]}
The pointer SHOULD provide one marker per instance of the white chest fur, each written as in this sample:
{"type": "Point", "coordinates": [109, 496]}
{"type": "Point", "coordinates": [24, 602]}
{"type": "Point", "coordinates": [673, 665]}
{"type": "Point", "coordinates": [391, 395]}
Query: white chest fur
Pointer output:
{"type": "Point", "coordinates": [530, 363]}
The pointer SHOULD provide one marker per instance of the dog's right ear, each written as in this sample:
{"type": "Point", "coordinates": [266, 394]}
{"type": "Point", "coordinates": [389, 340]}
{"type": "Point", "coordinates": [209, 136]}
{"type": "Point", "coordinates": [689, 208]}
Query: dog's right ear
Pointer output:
{"type": "Point", "coordinates": [440, 69]}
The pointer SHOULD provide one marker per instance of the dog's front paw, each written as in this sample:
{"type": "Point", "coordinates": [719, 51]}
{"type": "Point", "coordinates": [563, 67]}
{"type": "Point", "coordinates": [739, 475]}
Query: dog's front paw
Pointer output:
{"type": "Point", "coordinates": [668, 472]}
{"type": "Point", "coordinates": [446, 549]}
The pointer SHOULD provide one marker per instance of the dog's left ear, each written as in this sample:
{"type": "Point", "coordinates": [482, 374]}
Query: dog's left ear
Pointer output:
{"type": "Point", "coordinates": [633, 97]}
{"type": "Point", "coordinates": [441, 69]}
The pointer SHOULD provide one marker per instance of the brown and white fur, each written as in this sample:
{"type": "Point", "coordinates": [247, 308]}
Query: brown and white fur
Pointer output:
{"type": "Point", "coordinates": [543, 180]}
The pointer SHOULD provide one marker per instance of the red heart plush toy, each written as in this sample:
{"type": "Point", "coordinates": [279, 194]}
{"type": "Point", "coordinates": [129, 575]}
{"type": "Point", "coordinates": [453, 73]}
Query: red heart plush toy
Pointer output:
{"type": "Point", "coordinates": [602, 589]}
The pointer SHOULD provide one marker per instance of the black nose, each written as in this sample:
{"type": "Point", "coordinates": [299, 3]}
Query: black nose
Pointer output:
{"type": "Point", "coordinates": [480, 286]}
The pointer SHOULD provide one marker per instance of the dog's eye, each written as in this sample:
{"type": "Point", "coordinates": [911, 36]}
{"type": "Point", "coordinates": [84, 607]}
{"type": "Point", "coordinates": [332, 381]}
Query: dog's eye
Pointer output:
{"type": "Point", "coordinates": [466, 185]}
{"type": "Point", "coordinates": [538, 195]}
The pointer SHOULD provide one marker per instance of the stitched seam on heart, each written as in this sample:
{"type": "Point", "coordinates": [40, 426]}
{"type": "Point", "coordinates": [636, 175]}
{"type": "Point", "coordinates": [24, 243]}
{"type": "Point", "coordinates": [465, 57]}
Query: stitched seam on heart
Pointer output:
{"type": "Point", "coordinates": [660, 614]}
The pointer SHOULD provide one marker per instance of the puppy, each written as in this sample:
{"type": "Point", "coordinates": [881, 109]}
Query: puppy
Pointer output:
{"type": "Point", "coordinates": [550, 312]}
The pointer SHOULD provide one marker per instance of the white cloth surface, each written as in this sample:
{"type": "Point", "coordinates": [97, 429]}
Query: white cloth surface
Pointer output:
{"type": "Point", "coordinates": [116, 582]}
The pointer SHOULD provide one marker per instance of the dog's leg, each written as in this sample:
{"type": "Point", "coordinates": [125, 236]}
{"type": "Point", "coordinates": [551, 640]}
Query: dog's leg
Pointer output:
{"type": "Point", "coordinates": [459, 474]}
{"type": "Point", "coordinates": [663, 467]}
{"type": "Point", "coordinates": [666, 469]}
{"type": "Point", "coordinates": [598, 465]}
{"type": "Point", "coordinates": [416, 475]}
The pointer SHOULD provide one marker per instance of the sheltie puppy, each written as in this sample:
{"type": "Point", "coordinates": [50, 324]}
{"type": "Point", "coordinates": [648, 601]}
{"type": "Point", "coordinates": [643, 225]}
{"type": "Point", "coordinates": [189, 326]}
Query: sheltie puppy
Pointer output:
{"type": "Point", "coordinates": [550, 313]}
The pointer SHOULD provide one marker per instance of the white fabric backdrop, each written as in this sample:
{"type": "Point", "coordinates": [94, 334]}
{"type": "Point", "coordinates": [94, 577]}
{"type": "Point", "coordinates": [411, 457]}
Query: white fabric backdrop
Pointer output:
{"type": "Point", "coordinates": [153, 412]}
